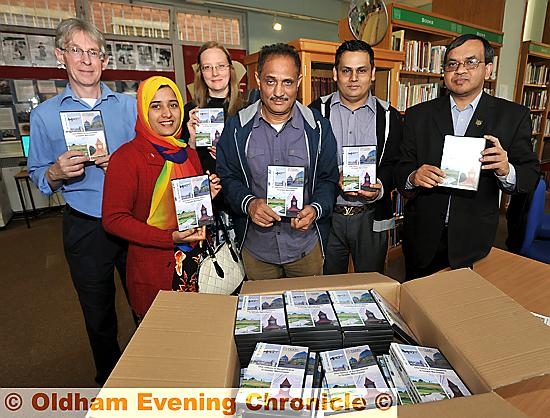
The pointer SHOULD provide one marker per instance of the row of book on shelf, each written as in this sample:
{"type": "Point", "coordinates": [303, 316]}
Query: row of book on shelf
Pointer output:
{"type": "Point", "coordinates": [39, 51]}
{"type": "Point", "coordinates": [321, 86]}
{"type": "Point", "coordinates": [535, 99]}
{"type": "Point", "coordinates": [536, 120]}
{"type": "Point", "coordinates": [424, 56]}
{"type": "Point", "coordinates": [536, 74]}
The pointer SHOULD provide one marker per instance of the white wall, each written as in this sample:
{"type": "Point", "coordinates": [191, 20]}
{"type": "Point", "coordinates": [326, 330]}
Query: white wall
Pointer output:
{"type": "Point", "coordinates": [534, 20]}
{"type": "Point", "coordinates": [512, 25]}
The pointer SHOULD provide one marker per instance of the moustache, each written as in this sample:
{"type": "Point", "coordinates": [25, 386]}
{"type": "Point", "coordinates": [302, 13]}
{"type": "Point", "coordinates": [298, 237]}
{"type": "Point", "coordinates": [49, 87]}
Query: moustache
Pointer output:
{"type": "Point", "coordinates": [285, 98]}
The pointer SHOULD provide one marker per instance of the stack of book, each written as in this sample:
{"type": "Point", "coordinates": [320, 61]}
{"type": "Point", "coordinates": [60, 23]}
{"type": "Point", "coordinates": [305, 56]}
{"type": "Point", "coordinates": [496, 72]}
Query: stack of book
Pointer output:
{"type": "Point", "coordinates": [259, 318]}
{"type": "Point", "coordinates": [426, 373]}
{"type": "Point", "coordinates": [353, 372]}
{"type": "Point", "coordinates": [399, 389]}
{"type": "Point", "coordinates": [312, 321]}
{"type": "Point", "coordinates": [361, 320]}
{"type": "Point", "coordinates": [275, 372]}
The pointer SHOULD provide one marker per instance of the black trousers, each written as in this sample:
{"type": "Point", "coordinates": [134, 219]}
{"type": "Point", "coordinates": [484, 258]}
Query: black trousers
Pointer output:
{"type": "Point", "coordinates": [439, 261]}
{"type": "Point", "coordinates": [92, 255]}
{"type": "Point", "coordinates": [354, 235]}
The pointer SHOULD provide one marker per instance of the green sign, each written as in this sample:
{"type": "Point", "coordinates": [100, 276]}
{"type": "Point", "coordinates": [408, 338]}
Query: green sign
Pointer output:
{"type": "Point", "coordinates": [442, 24]}
{"type": "Point", "coordinates": [539, 48]}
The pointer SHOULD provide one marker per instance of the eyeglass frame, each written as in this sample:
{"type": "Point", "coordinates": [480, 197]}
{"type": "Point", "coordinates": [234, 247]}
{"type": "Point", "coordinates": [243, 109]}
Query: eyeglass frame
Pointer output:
{"type": "Point", "coordinates": [210, 68]}
{"type": "Point", "coordinates": [467, 66]}
{"type": "Point", "coordinates": [78, 52]}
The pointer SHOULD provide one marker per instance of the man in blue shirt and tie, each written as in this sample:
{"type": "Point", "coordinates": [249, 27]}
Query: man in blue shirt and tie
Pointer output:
{"type": "Point", "coordinates": [91, 253]}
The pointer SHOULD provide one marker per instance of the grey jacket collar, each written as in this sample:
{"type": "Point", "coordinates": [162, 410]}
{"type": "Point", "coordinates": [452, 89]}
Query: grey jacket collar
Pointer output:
{"type": "Point", "coordinates": [248, 113]}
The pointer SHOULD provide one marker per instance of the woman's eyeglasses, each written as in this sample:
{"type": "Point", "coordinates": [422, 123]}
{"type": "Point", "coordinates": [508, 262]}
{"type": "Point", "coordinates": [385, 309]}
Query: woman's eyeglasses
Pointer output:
{"type": "Point", "coordinates": [219, 67]}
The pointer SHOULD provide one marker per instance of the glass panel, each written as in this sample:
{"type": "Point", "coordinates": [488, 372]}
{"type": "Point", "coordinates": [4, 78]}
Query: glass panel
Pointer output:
{"type": "Point", "coordinates": [131, 20]}
{"type": "Point", "coordinates": [200, 28]}
{"type": "Point", "coordinates": [36, 13]}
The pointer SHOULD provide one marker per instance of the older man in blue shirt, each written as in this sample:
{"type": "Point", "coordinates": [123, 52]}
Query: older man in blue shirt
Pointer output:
{"type": "Point", "coordinates": [91, 253]}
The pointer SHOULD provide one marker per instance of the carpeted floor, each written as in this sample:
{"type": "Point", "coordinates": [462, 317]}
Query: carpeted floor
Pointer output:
{"type": "Point", "coordinates": [43, 342]}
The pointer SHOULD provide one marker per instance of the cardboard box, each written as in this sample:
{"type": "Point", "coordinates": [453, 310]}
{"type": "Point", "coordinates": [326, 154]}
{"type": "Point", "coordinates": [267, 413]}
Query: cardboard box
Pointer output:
{"type": "Point", "coordinates": [524, 280]}
{"type": "Point", "coordinates": [494, 344]}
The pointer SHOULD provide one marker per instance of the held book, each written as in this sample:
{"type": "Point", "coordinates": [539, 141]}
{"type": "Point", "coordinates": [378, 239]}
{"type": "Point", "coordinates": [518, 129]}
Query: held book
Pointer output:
{"type": "Point", "coordinates": [460, 161]}
{"type": "Point", "coordinates": [210, 127]}
{"type": "Point", "coordinates": [193, 202]}
{"type": "Point", "coordinates": [359, 167]}
{"type": "Point", "coordinates": [285, 189]}
{"type": "Point", "coordinates": [85, 132]}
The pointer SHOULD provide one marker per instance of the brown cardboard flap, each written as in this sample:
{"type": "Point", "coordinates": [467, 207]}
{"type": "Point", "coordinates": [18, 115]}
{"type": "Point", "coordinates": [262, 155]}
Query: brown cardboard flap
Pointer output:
{"type": "Point", "coordinates": [531, 397]}
{"type": "Point", "coordinates": [388, 288]}
{"type": "Point", "coordinates": [489, 338]}
{"type": "Point", "coordinates": [487, 405]}
{"type": "Point", "coordinates": [524, 280]}
{"type": "Point", "coordinates": [185, 340]}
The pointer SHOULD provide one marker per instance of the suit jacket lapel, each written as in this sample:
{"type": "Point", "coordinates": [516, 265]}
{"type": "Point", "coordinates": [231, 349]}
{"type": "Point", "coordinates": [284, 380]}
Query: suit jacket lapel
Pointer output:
{"type": "Point", "coordinates": [480, 120]}
{"type": "Point", "coordinates": [442, 116]}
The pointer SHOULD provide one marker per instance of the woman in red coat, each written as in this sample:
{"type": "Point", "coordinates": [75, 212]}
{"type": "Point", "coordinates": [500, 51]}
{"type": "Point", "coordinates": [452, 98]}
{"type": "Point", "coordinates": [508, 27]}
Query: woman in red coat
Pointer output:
{"type": "Point", "coordinates": [138, 204]}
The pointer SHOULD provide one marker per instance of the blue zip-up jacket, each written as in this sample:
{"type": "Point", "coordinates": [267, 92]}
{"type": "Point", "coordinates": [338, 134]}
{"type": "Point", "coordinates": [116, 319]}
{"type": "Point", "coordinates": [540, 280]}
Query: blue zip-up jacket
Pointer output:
{"type": "Point", "coordinates": [232, 167]}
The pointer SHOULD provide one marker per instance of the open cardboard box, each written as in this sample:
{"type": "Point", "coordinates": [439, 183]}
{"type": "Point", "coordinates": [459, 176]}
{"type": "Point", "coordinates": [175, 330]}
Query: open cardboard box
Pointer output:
{"type": "Point", "coordinates": [495, 345]}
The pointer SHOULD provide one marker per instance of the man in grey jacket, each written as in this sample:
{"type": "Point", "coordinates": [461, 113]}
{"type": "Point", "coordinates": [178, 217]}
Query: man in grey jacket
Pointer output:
{"type": "Point", "coordinates": [278, 130]}
{"type": "Point", "coordinates": [362, 218]}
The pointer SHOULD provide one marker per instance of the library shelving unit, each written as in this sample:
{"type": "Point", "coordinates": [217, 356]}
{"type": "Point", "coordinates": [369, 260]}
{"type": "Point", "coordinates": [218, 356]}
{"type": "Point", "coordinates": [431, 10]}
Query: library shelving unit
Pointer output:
{"type": "Point", "coordinates": [532, 91]}
{"type": "Point", "coordinates": [317, 62]}
{"type": "Point", "coordinates": [422, 36]}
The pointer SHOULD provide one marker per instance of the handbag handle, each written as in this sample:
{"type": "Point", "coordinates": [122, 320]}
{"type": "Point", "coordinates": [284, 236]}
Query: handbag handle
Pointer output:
{"type": "Point", "coordinates": [212, 255]}
{"type": "Point", "coordinates": [221, 223]}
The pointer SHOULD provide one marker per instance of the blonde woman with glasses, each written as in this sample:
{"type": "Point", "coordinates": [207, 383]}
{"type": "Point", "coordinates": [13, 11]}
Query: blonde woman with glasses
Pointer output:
{"type": "Point", "coordinates": [216, 86]}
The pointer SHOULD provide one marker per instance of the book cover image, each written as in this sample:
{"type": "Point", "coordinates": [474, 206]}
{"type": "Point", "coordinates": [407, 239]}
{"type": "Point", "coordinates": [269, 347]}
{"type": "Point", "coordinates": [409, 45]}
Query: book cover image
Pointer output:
{"type": "Point", "coordinates": [193, 202]}
{"type": "Point", "coordinates": [353, 370]}
{"type": "Point", "coordinates": [84, 132]}
{"type": "Point", "coordinates": [310, 316]}
{"type": "Point", "coordinates": [210, 127]}
{"type": "Point", "coordinates": [285, 190]}
{"type": "Point", "coordinates": [350, 297]}
{"type": "Point", "coordinates": [358, 167]}
{"type": "Point", "coordinates": [460, 161]}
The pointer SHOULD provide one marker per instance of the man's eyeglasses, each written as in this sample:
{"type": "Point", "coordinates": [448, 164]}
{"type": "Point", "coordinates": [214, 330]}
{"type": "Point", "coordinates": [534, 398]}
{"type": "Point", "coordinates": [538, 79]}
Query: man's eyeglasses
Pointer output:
{"type": "Point", "coordinates": [221, 68]}
{"type": "Point", "coordinates": [469, 64]}
{"type": "Point", "coordinates": [77, 52]}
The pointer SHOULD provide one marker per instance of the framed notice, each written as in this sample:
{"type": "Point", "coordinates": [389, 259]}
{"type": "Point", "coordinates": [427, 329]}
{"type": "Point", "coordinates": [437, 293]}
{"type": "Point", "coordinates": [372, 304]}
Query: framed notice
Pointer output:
{"type": "Point", "coordinates": [85, 132]}
{"type": "Point", "coordinates": [285, 189]}
{"type": "Point", "coordinates": [460, 161]}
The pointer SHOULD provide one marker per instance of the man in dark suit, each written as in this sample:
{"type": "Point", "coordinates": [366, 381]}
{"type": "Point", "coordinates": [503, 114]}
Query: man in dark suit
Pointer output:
{"type": "Point", "coordinates": [449, 227]}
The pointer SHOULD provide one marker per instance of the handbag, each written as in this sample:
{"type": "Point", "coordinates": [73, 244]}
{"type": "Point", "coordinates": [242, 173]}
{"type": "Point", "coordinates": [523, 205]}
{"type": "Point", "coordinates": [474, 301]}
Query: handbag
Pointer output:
{"type": "Point", "coordinates": [221, 271]}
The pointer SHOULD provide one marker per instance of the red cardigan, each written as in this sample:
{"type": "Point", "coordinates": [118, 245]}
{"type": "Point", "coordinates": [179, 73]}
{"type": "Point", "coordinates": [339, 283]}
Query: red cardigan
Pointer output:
{"type": "Point", "coordinates": [131, 176]}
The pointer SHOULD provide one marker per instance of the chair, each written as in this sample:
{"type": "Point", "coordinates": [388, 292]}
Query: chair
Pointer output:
{"type": "Point", "coordinates": [534, 244]}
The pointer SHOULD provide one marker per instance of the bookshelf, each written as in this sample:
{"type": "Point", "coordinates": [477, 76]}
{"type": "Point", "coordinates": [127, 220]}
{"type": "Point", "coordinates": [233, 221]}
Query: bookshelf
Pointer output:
{"type": "Point", "coordinates": [532, 91]}
{"type": "Point", "coordinates": [422, 36]}
{"type": "Point", "coordinates": [317, 62]}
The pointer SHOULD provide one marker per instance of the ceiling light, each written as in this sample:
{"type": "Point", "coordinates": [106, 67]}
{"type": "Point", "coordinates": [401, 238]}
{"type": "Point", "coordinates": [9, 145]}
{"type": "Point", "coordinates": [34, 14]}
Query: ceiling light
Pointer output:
{"type": "Point", "coordinates": [276, 25]}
